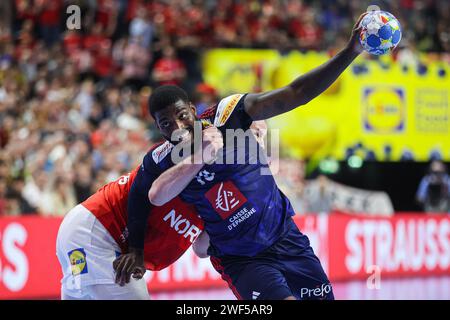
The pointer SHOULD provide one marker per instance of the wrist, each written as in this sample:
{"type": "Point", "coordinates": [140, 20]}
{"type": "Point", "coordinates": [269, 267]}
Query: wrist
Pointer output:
{"type": "Point", "coordinates": [352, 50]}
{"type": "Point", "coordinates": [136, 251]}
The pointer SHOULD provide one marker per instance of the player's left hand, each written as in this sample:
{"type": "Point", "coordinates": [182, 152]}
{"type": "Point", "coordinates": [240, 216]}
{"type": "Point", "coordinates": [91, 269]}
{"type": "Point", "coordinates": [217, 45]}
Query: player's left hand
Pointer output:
{"type": "Point", "coordinates": [127, 265]}
{"type": "Point", "coordinates": [354, 44]}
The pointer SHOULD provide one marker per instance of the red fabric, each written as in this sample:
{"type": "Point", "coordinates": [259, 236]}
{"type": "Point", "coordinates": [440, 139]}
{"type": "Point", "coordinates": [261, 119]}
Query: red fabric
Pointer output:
{"type": "Point", "coordinates": [206, 89]}
{"type": "Point", "coordinates": [51, 13]}
{"type": "Point", "coordinates": [170, 228]}
{"type": "Point", "coordinates": [104, 65]}
{"type": "Point", "coordinates": [105, 10]}
{"type": "Point", "coordinates": [20, 49]}
{"type": "Point", "coordinates": [405, 245]}
{"type": "Point", "coordinates": [131, 9]}
{"type": "Point", "coordinates": [168, 66]}
{"type": "Point", "coordinates": [94, 42]}
{"type": "Point", "coordinates": [24, 13]}
{"type": "Point", "coordinates": [72, 42]}
{"type": "Point", "coordinates": [4, 137]}
{"type": "Point", "coordinates": [2, 207]}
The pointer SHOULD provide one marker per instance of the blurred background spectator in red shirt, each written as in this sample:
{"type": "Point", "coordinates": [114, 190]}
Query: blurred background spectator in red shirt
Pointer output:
{"type": "Point", "coordinates": [169, 69]}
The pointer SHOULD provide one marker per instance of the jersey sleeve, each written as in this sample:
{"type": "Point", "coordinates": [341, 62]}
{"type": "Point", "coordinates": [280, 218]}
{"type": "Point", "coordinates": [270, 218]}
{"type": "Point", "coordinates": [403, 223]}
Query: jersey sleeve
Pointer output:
{"type": "Point", "coordinates": [231, 113]}
{"type": "Point", "coordinates": [139, 205]}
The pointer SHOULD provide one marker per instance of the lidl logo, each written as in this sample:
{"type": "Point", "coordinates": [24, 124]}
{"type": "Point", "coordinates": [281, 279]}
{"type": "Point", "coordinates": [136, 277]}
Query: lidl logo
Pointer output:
{"type": "Point", "coordinates": [384, 109]}
{"type": "Point", "coordinates": [78, 262]}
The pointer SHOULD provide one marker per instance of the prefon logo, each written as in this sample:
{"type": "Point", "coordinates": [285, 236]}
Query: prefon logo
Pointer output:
{"type": "Point", "coordinates": [322, 291]}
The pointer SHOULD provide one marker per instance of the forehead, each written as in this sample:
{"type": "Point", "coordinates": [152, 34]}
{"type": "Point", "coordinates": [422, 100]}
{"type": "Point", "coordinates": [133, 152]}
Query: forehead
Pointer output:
{"type": "Point", "coordinates": [172, 109]}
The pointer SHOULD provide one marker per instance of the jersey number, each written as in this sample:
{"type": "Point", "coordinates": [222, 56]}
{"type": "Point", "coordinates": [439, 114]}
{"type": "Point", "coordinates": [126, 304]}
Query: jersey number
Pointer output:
{"type": "Point", "coordinates": [124, 179]}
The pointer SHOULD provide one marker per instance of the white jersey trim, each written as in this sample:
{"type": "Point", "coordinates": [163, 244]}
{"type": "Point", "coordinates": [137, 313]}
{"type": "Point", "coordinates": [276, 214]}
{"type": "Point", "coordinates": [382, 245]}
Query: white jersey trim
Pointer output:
{"type": "Point", "coordinates": [225, 108]}
{"type": "Point", "coordinates": [161, 152]}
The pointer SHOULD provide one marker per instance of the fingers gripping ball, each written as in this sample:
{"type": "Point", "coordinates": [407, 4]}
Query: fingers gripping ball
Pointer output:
{"type": "Point", "coordinates": [380, 33]}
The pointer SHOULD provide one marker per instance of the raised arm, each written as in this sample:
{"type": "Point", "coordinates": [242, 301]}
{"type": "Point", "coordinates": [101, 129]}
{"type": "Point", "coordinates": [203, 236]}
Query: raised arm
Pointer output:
{"type": "Point", "coordinates": [265, 105]}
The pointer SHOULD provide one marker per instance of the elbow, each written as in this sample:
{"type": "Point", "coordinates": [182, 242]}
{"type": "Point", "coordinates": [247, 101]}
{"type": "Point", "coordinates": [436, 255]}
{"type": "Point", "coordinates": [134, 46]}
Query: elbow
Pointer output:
{"type": "Point", "coordinates": [200, 246]}
{"type": "Point", "coordinates": [200, 250]}
{"type": "Point", "coordinates": [154, 196]}
{"type": "Point", "coordinates": [201, 255]}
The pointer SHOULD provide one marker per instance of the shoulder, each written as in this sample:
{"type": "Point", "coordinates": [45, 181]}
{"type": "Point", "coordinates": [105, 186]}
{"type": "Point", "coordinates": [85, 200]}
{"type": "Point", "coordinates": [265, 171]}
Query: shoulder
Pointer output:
{"type": "Point", "coordinates": [161, 151]}
{"type": "Point", "coordinates": [225, 108]}
{"type": "Point", "coordinates": [219, 113]}
{"type": "Point", "coordinates": [209, 113]}
{"type": "Point", "coordinates": [157, 155]}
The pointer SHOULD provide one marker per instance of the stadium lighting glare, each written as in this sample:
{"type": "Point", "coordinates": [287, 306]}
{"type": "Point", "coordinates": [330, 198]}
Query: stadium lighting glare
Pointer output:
{"type": "Point", "coordinates": [329, 166]}
{"type": "Point", "coordinates": [355, 162]}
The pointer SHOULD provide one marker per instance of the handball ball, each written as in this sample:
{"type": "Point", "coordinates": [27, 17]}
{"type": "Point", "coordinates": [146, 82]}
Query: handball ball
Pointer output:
{"type": "Point", "coordinates": [380, 33]}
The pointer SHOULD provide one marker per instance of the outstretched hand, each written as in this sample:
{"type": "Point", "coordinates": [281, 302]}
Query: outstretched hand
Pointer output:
{"type": "Point", "coordinates": [354, 44]}
{"type": "Point", "coordinates": [127, 265]}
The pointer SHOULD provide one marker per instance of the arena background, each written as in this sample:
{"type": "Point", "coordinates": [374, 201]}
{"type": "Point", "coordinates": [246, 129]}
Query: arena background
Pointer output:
{"type": "Point", "coordinates": [73, 117]}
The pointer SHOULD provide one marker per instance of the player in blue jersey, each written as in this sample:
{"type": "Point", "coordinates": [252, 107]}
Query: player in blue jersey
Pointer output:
{"type": "Point", "coordinates": [254, 243]}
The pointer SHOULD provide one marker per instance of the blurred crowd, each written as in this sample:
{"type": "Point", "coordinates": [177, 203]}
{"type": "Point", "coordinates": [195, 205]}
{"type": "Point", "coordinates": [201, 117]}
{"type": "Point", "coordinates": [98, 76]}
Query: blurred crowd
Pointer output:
{"type": "Point", "coordinates": [73, 102]}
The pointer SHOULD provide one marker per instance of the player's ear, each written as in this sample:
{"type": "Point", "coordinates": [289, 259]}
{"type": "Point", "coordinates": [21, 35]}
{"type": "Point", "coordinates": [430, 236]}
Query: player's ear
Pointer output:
{"type": "Point", "coordinates": [193, 108]}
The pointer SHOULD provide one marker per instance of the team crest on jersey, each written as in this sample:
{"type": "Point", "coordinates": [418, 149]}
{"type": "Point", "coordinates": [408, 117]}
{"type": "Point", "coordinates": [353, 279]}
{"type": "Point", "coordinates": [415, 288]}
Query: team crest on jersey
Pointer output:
{"type": "Point", "coordinates": [225, 108]}
{"type": "Point", "coordinates": [225, 198]}
{"type": "Point", "coordinates": [78, 264]}
{"type": "Point", "coordinates": [162, 151]}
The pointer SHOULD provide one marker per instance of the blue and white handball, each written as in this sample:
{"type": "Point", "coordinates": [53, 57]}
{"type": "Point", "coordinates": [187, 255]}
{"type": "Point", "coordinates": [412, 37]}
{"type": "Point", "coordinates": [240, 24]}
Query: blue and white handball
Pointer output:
{"type": "Point", "coordinates": [381, 32]}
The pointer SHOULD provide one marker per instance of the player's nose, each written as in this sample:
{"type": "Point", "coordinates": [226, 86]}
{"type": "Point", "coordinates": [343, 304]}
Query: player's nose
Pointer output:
{"type": "Point", "coordinates": [180, 125]}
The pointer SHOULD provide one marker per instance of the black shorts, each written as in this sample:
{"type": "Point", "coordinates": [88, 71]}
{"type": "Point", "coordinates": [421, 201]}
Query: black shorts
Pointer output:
{"type": "Point", "coordinates": [287, 268]}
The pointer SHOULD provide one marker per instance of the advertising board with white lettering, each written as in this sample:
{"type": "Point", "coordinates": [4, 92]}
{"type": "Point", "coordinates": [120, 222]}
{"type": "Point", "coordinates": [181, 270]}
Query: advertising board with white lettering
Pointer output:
{"type": "Point", "coordinates": [350, 247]}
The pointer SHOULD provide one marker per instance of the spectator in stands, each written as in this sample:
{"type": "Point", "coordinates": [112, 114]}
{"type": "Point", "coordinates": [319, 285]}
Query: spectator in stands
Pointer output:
{"type": "Point", "coordinates": [49, 13]}
{"type": "Point", "coordinates": [319, 198]}
{"type": "Point", "coordinates": [103, 63]}
{"type": "Point", "coordinates": [290, 180]}
{"type": "Point", "coordinates": [169, 69]}
{"type": "Point", "coordinates": [206, 95]}
{"type": "Point", "coordinates": [59, 196]}
{"type": "Point", "coordinates": [136, 60]}
{"type": "Point", "coordinates": [34, 187]}
{"type": "Point", "coordinates": [141, 29]}
{"type": "Point", "coordinates": [60, 94]}
{"type": "Point", "coordinates": [434, 189]}
{"type": "Point", "coordinates": [85, 98]}
{"type": "Point", "coordinates": [6, 13]}
{"type": "Point", "coordinates": [3, 201]}
{"type": "Point", "coordinates": [16, 194]}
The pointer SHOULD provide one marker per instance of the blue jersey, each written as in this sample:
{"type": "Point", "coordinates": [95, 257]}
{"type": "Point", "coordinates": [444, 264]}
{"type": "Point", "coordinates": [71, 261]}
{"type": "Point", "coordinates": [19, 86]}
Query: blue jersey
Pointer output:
{"type": "Point", "coordinates": [243, 210]}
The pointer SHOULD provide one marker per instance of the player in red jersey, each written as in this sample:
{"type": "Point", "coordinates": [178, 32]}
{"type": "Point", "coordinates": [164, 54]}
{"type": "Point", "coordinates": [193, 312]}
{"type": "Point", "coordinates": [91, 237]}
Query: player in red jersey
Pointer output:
{"type": "Point", "coordinates": [93, 234]}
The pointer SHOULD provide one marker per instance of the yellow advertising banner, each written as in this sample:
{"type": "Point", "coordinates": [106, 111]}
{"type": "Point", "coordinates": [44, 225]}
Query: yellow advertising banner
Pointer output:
{"type": "Point", "coordinates": [377, 109]}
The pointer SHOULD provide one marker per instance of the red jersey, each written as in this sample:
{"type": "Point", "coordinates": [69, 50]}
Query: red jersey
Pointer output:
{"type": "Point", "coordinates": [169, 67]}
{"type": "Point", "coordinates": [171, 229]}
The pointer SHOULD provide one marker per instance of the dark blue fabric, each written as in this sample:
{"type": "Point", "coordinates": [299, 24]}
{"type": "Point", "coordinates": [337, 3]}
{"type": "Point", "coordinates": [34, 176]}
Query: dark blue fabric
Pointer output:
{"type": "Point", "coordinates": [138, 207]}
{"type": "Point", "coordinates": [288, 268]}
{"type": "Point", "coordinates": [256, 208]}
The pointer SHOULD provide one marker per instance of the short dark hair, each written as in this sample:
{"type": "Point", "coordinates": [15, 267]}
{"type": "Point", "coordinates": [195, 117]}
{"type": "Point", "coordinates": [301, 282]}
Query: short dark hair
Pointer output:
{"type": "Point", "coordinates": [164, 96]}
